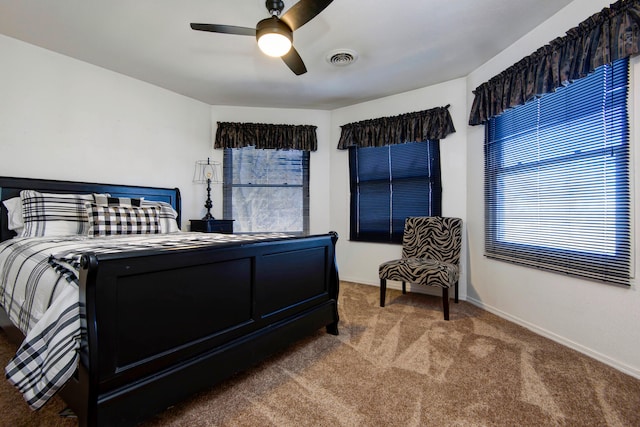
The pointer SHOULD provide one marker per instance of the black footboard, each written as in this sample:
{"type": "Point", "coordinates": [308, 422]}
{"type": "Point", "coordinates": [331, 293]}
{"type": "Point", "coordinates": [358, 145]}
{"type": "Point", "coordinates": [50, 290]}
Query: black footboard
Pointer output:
{"type": "Point", "coordinates": [162, 325]}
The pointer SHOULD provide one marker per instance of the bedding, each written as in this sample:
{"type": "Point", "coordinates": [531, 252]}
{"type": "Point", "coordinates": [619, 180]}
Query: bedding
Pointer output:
{"type": "Point", "coordinates": [35, 213]}
{"type": "Point", "coordinates": [14, 214]}
{"type": "Point", "coordinates": [107, 200]}
{"type": "Point", "coordinates": [168, 215]}
{"type": "Point", "coordinates": [50, 214]}
{"type": "Point", "coordinates": [113, 220]}
{"type": "Point", "coordinates": [39, 292]}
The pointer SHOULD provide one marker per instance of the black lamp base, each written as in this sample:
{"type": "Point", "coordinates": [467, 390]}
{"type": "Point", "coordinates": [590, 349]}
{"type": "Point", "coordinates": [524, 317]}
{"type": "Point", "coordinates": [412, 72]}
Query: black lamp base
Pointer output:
{"type": "Point", "coordinates": [208, 204]}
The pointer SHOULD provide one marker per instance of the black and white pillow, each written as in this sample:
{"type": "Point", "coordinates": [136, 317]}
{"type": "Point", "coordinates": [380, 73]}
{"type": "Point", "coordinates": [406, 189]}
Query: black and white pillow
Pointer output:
{"type": "Point", "coordinates": [113, 220]}
{"type": "Point", "coordinates": [51, 214]}
{"type": "Point", "coordinates": [107, 200]}
{"type": "Point", "coordinates": [168, 215]}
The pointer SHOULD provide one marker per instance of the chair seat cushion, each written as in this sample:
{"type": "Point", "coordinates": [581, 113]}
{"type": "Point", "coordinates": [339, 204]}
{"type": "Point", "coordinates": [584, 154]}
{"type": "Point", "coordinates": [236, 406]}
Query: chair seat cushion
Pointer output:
{"type": "Point", "coordinates": [421, 271]}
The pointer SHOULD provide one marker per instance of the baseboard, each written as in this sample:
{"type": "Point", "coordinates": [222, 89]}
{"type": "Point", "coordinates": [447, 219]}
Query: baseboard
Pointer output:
{"type": "Point", "coordinates": [559, 339]}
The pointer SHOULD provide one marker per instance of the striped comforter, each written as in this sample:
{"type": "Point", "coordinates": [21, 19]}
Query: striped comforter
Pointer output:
{"type": "Point", "coordinates": [39, 292]}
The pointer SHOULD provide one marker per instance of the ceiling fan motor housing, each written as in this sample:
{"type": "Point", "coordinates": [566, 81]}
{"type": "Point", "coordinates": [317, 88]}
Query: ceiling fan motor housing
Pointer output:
{"type": "Point", "coordinates": [273, 25]}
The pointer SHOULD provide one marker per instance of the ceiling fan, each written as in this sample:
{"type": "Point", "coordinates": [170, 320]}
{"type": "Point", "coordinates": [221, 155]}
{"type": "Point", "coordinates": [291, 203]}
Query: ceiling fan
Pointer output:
{"type": "Point", "coordinates": [275, 34]}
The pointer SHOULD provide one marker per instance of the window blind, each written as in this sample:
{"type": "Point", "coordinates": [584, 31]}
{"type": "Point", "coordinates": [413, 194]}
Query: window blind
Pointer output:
{"type": "Point", "coordinates": [557, 180]}
{"type": "Point", "coordinates": [390, 183]}
{"type": "Point", "coordinates": [266, 190]}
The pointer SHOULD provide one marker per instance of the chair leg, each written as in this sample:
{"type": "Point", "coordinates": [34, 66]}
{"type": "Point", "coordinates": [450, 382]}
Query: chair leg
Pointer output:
{"type": "Point", "coordinates": [404, 287]}
{"type": "Point", "coordinates": [456, 298]}
{"type": "Point", "coordinates": [383, 291]}
{"type": "Point", "coordinates": [445, 302]}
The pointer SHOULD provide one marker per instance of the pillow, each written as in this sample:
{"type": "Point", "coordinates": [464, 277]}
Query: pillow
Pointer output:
{"type": "Point", "coordinates": [107, 200]}
{"type": "Point", "coordinates": [168, 215]}
{"type": "Point", "coordinates": [49, 214]}
{"type": "Point", "coordinates": [110, 220]}
{"type": "Point", "coordinates": [14, 213]}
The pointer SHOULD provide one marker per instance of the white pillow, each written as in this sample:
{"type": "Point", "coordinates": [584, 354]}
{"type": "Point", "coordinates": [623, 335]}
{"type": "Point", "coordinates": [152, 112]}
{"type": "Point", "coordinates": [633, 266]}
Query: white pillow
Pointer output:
{"type": "Point", "coordinates": [14, 213]}
{"type": "Point", "coordinates": [50, 214]}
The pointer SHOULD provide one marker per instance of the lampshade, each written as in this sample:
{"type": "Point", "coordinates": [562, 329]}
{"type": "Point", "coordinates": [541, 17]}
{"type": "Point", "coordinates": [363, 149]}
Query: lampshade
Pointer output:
{"type": "Point", "coordinates": [274, 37]}
{"type": "Point", "coordinates": [206, 170]}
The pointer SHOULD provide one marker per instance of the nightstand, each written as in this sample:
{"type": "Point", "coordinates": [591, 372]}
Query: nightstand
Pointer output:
{"type": "Point", "coordinates": [212, 225]}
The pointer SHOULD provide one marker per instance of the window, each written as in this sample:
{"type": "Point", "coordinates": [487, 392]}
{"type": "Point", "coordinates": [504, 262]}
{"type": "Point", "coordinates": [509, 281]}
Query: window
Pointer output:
{"type": "Point", "coordinates": [390, 183]}
{"type": "Point", "coordinates": [557, 180]}
{"type": "Point", "coordinates": [267, 190]}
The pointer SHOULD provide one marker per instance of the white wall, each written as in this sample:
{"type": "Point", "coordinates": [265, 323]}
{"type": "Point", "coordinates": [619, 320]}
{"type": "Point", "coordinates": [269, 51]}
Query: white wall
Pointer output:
{"type": "Point", "coordinates": [65, 119]}
{"type": "Point", "coordinates": [319, 189]}
{"type": "Point", "coordinates": [358, 261]}
{"type": "Point", "coordinates": [598, 319]}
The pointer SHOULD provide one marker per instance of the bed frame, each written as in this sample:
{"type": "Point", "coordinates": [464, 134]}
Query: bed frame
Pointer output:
{"type": "Point", "coordinates": [164, 324]}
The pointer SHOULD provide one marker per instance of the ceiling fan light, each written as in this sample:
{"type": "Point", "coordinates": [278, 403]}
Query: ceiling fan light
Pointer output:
{"type": "Point", "coordinates": [274, 44]}
{"type": "Point", "coordinates": [274, 37]}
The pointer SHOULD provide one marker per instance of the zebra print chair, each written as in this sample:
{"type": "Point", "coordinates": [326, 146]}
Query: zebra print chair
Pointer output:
{"type": "Point", "coordinates": [430, 257]}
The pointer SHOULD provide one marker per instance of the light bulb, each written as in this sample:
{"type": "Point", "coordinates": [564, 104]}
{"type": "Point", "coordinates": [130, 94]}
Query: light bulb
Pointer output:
{"type": "Point", "coordinates": [274, 44]}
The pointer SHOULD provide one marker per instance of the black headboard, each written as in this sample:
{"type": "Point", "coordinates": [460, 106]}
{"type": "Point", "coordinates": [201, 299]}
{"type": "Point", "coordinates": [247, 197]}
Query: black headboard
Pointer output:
{"type": "Point", "coordinates": [11, 187]}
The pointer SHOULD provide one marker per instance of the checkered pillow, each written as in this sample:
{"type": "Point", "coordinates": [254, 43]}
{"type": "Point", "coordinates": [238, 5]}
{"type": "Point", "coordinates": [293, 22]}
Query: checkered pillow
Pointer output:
{"type": "Point", "coordinates": [107, 200]}
{"type": "Point", "coordinates": [110, 220]}
{"type": "Point", "coordinates": [168, 215]}
{"type": "Point", "coordinates": [50, 214]}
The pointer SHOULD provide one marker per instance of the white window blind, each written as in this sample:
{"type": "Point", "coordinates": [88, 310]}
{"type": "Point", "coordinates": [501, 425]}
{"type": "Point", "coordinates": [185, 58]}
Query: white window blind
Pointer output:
{"type": "Point", "coordinates": [266, 190]}
{"type": "Point", "coordinates": [557, 180]}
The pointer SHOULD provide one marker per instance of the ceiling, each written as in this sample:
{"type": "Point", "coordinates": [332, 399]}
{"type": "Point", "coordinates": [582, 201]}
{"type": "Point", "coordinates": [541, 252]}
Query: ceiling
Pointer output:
{"type": "Point", "coordinates": [401, 45]}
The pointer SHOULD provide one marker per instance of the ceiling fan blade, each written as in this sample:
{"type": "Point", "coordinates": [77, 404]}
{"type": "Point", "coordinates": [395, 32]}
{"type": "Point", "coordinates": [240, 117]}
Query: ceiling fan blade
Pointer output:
{"type": "Point", "coordinates": [293, 61]}
{"type": "Point", "coordinates": [227, 29]}
{"type": "Point", "coordinates": [303, 12]}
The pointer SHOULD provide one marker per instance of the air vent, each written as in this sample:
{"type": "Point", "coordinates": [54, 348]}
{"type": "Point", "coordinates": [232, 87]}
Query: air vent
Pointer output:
{"type": "Point", "coordinates": [342, 57]}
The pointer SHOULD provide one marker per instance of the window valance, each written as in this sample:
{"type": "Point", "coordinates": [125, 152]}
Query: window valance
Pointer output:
{"type": "Point", "coordinates": [612, 34]}
{"type": "Point", "coordinates": [261, 135]}
{"type": "Point", "coordinates": [433, 124]}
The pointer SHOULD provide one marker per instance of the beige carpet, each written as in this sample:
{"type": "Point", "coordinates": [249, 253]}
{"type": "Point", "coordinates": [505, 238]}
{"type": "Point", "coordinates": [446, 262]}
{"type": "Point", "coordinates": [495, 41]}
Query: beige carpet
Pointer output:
{"type": "Point", "coordinates": [401, 365]}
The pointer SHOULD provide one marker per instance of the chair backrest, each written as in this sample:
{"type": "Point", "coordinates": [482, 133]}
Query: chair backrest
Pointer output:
{"type": "Point", "coordinates": [435, 237]}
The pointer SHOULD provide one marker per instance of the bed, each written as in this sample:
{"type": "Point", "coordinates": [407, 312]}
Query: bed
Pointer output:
{"type": "Point", "coordinates": [159, 323]}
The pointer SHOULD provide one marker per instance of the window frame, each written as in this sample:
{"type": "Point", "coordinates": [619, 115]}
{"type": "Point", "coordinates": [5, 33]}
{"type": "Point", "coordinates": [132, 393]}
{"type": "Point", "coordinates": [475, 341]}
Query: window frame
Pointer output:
{"type": "Point", "coordinates": [568, 260]}
{"type": "Point", "coordinates": [228, 187]}
{"type": "Point", "coordinates": [394, 231]}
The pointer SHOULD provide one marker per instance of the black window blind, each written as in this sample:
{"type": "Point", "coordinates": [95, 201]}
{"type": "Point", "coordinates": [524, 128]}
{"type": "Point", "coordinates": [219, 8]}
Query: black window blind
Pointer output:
{"type": "Point", "coordinates": [390, 183]}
